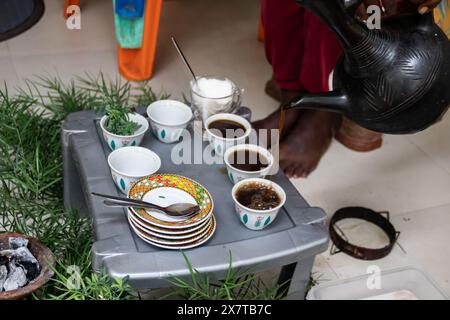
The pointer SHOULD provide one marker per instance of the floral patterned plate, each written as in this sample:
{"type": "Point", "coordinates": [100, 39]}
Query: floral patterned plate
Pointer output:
{"type": "Point", "coordinates": [193, 244]}
{"type": "Point", "coordinates": [164, 231]}
{"type": "Point", "coordinates": [167, 189]}
{"type": "Point", "coordinates": [158, 240]}
{"type": "Point", "coordinates": [142, 226]}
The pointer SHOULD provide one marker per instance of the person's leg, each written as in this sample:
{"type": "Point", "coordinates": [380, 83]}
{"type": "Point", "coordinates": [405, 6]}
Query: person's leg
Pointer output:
{"type": "Point", "coordinates": [308, 140]}
{"type": "Point", "coordinates": [284, 46]}
{"type": "Point", "coordinates": [283, 26]}
{"type": "Point", "coordinates": [272, 89]}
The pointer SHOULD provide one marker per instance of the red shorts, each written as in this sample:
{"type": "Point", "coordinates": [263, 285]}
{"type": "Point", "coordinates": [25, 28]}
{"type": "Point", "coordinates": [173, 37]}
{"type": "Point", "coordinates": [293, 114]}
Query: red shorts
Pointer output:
{"type": "Point", "coordinates": [300, 48]}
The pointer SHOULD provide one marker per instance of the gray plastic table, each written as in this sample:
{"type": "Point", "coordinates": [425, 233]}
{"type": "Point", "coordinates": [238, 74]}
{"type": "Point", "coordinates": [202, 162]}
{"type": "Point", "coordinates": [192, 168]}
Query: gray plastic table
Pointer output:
{"type": "Point", "coordinates": [293, 240]}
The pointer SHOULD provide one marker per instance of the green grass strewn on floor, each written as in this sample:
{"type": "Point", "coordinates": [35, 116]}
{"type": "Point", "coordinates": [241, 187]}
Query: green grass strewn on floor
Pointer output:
{"type": "Point", "coordinates": [31, 176]}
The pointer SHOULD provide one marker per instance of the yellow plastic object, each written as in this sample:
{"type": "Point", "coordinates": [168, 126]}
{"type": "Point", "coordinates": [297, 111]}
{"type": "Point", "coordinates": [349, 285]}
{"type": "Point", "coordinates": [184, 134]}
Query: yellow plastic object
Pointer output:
{"type": "Point", "coordinates": [442, 16]}
{"type": "Point", "coordinates": [137, 64]}
{"type": "Point", "coordinates": [70, 3]}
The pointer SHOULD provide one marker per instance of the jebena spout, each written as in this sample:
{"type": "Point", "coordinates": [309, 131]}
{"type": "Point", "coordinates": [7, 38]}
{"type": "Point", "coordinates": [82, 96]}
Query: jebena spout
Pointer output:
{"type": "Point", "coordinates": [334, 101]}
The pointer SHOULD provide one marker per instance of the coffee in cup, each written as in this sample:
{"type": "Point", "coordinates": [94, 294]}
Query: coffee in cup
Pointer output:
{"type": "Point", "coordinates": [258, 196]}
{"type": "Point", "coordinates": [226, 130]}
{"type": "Point", "coordinates": [248, 160]}
{"type": "Point", "coordinates": [258, 202]}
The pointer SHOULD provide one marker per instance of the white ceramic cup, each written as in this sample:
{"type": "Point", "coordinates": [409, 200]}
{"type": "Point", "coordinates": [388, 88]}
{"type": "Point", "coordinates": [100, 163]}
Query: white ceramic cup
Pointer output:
{"type": "Point", "coordinates": [258, 219]}
{"type": "Point", "coordinates": [237, 175]}
{"type": "Point", "coordinates": [222, 144]}
{"type": "Point", "coordinates": [115, 141]}
{"type": "Point", "coordinates": [168, 119]}
{"type": "Point", "coordinates": [130, 164]}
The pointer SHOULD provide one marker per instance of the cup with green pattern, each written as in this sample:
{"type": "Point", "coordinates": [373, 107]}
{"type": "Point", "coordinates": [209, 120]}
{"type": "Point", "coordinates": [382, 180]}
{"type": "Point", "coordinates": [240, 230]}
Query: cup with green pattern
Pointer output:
{"type": "Point", "coordinates": [168, 119]}
{"type": "Point", "coordinates": [115, 141]}
{"type": "Point", "coordinates": [258, 219]}
{"type": "Point", "coordinates": [221, 143]}
{"type": "Point", "coordinates": [130, 164]}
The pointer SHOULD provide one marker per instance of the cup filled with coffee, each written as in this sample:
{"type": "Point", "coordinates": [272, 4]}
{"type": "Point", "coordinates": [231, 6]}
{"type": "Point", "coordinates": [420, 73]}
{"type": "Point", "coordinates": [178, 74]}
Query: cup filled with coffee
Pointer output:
{"type": "Point", "coordinates": [258, 202]}
{"type": "Point", "coordinates": [246, 161]}
{"type": "Point", "coordinates": [225, 130]}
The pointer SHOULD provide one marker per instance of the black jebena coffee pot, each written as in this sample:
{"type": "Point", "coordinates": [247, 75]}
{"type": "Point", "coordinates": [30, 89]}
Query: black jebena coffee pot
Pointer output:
{"type": "Point", "coordinates": [395, 80]}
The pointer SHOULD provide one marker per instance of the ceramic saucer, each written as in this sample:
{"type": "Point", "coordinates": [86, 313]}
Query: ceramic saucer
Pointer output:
{"type": "Point", "coordinates": [201, 230]}
{"type": "Point", "coordinates": [167, 189]}
{"type": "Point", "coordinates": [191, 245]}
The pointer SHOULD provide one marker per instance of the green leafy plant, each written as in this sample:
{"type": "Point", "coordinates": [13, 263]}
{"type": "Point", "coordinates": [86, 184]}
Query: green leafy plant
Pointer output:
{"type": "Point", "coordinates": [31, 182]}
{"type": "Point", "coordinates": [237, 285]}
{"type": "Point", "coordinates": [56, 97]}
{"type": "Point", "coordinates": [144, 94]}
{"type": "Point", "coordinates": [116, 97]}
{"type": "Point", "coordinates": [118, 121]}
{"type": "Point", "coordinates": [67, 284]}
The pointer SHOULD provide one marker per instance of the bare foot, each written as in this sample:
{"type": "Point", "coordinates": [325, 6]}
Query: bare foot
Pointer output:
{"type": "Point", "coordinates": [273, 90]}
{"type": "Point", "coordinates": [302, 149]}
{"type": "Point", "coordinates": [273, 120]}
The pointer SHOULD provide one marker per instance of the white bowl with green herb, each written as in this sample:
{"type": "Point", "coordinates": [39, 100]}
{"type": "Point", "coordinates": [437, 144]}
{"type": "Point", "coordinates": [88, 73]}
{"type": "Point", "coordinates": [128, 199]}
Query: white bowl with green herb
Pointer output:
{"type": "Point", "coordinates": [123, 130]}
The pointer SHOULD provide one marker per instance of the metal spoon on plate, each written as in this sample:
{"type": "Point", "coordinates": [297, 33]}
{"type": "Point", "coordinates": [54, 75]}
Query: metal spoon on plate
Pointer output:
{"type": "Point", "coordinates": [174, 210]}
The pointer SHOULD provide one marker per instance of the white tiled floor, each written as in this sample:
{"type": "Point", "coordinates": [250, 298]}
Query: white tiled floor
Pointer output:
{"type": "Point", "coordinates": [409, 176]}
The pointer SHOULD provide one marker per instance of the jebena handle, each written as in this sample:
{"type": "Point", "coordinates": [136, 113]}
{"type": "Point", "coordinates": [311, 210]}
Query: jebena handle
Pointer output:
{"type": "Point", "coordinates": [352, 5]}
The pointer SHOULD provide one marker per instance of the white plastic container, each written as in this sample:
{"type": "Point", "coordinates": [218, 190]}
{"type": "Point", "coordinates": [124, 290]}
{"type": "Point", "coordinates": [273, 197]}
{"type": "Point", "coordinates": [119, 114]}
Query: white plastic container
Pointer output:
{"type": "Point", "coordinates": [406, 283]}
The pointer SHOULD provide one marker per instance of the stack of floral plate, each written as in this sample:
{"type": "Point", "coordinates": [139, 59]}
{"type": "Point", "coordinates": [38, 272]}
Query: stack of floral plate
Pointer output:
{"type": "Point", "coordinates": [165, 231]}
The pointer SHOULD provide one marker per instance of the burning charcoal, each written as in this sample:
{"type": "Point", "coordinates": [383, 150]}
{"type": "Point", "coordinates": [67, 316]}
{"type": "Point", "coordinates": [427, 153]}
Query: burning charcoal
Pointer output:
{"type": "Point", "coordinates": [3, 275]}
{"type": "Point", "coordinates": [16, 278]}
{"type": "Point", "coordinates": [23, 254]}
{"type": "Point", "coordinates": [3, 260]}
{"type": "Point", "coordinates": [32, 270]}
{"type": "Point", "coordinates": [26, 259]}
{"type": "Point", "coordinates": [15, 243]}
